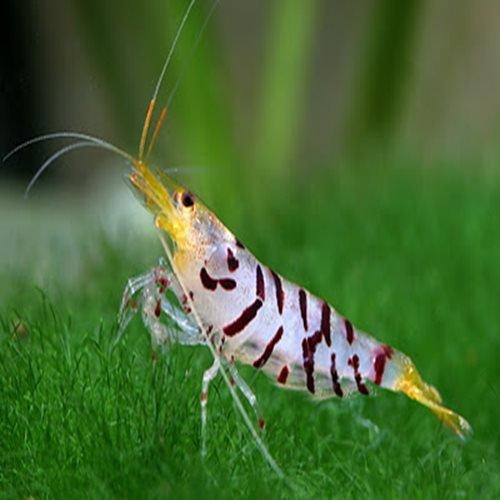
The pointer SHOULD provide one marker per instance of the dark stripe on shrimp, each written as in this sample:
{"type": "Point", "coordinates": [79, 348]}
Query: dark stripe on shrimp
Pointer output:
{"type": "Point", "coordinates": [207, 281]}
{"type": "Point", "coordinates": [303, 307]}
{"type": "Point", "coordinates": [308, 362]}
{"type": "Point", "coordinates": [211, 283]}
{"type": "Point", "coordinates": [283, 375]}
{"type": "Point", "coordinates": [162, 283]}
{"type": "Point", "coordinates": [243, 320]}
{"type": "Point", "coordinates": [354, 362]}
{"type": "Point", "coordinates": [239, 244]}
{"type": "Point", "coordinates": [280, 295]}
{"type": "Point", "coordinates": [325, 323]}
{"type": "Point", "coordinates": [335, 377]}
{"type": "Point", "coordinates": [262, 360]}
{"type": "Point", "coordinates": [232, 261]}
{"type": "Point", "coordinates": [308, 349]}
{"type": "Point", "coordinates": [158, 308]}
{"type": "Point", "coordinates": [379, 362]}
{"type": "Point", "coordinates": [227, 283]}
{"type": "Point", "coordinates": [260, 286]}
{"type": "Point", "coordinates": [349, 331]}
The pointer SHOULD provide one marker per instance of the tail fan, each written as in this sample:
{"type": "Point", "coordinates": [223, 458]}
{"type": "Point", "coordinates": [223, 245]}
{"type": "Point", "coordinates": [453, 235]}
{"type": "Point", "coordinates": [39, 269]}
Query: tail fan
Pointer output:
{"type": "Point", "coordinates": [410, 383]}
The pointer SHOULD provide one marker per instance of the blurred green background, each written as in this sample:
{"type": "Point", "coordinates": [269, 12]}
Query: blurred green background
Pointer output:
{"type": "Point", "coordinates": [353, 146]}
{"type": "Point", "coordinates": [282, 86]}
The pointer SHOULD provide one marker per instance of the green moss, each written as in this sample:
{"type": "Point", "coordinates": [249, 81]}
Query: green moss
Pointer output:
{"type": "Point", "coordinates": [411, 256]}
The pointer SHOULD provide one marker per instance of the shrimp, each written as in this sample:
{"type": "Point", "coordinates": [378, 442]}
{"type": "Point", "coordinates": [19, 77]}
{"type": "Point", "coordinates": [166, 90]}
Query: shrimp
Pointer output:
{"type": "Point", "coordinates": [255, 316]}
{"type": "Point", "coordinates": [213, 291]}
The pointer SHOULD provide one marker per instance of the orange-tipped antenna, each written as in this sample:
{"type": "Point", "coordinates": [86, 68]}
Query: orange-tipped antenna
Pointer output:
{"type": "Point", "coordinates": [174, 43]}
{"type": "Point", "coordinates": [145, 127]}
{"type": "Point", "coordinates": [193, 49]}
{"type": "Point", "coordinates": [159, 124]}
{"type": "Point", "coordinates": [149, 112]}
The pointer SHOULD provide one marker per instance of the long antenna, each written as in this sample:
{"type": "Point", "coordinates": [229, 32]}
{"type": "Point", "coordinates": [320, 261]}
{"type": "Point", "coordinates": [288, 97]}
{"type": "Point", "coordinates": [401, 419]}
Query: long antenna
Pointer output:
{"type": "Point", "coordinates": [152, 103]}
{"type": "Point", "coordinates": [69, 135]}
{"type": "Point", "coordinates": [55, 156]}
{"type": "Point", "coordinates": [174, 43]}
{"type": "Point", "coordinates": [145, 128]}
{"type": "Point", "coordinates": [159, 123]}
{"type": "Point", "coordinates": [193, 50]}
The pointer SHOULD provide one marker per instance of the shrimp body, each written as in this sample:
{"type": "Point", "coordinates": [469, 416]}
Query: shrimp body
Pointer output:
{"type": "Point", "coordinates": [256, 317]}
{"type": "Point", "coordinates": [275, 325]}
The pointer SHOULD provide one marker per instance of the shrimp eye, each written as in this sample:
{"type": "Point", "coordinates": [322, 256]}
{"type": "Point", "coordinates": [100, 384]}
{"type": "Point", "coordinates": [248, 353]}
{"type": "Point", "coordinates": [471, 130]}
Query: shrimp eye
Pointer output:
{"type": "Point", "coordinates": [187, 199]}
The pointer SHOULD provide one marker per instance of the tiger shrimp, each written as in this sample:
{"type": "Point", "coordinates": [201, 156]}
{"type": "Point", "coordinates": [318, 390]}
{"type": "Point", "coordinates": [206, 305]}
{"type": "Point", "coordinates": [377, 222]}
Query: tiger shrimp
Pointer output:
{"type": "Point", "coordinates": [254, 316]}
{"type": "Point", "coordinates": [213, 291]}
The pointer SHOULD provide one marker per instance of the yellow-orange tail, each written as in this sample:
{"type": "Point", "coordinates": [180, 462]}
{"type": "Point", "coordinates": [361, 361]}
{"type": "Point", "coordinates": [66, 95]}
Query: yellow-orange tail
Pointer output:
{"type": "Point", "coordinates": [410, 382]}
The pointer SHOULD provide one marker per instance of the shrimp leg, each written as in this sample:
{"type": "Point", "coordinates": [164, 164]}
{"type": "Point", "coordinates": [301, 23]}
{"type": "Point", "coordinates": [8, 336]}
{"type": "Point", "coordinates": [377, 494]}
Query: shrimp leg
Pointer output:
{"type": "Point", "coordinates": [208, 376]}
{"type": "Point", "coordinates": [152, 300]}
{"type": "Point", "coordinates": [247, 393]}
{"type": "Point", "coordinates": [146, 293]}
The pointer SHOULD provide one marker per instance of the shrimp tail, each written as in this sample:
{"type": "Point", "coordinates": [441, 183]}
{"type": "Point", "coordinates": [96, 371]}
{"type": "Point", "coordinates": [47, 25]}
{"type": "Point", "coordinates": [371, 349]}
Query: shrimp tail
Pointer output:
{"type": "Point", "coordinates": [411, 383]}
